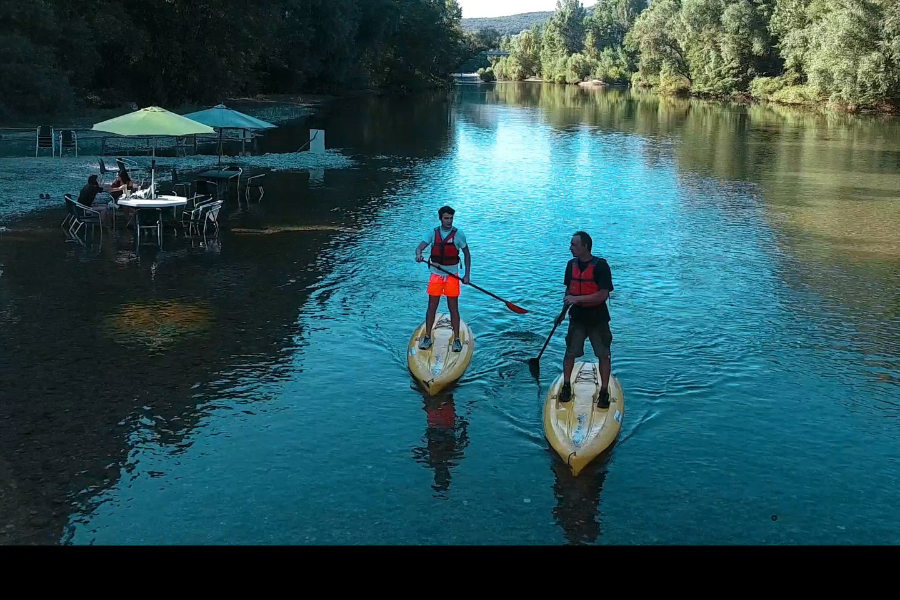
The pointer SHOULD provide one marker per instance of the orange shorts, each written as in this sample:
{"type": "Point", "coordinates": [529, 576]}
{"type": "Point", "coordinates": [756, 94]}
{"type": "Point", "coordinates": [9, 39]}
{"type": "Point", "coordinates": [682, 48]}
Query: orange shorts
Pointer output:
{"type": "Point", "coordinates": [446, 285]}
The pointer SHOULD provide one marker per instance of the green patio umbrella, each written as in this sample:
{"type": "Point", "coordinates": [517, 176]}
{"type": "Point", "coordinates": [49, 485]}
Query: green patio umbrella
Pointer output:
{"type": "Point", "coordinates": [222, 117]}
{"type": "Point", "coordinates": [152, 121]}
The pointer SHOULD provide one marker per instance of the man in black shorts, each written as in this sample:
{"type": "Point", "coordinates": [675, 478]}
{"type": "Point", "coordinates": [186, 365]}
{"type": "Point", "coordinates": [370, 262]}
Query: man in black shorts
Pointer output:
{"type": "Point", "coordinates": [588, 285]}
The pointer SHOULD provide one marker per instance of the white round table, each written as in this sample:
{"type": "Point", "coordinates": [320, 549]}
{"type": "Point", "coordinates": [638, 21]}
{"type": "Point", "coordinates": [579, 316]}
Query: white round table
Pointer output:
{"type": "Point", "coordinates": [158, 203]}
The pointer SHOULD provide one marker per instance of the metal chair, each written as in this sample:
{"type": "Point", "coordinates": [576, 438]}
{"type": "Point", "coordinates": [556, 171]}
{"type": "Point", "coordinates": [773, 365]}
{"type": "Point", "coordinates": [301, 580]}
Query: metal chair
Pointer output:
{"type": "Point", "coordinates": [209, 213]}
{"type": "Point", "coordinates": [84, 216]}
{"type": "Point", "coordinates": [240, 172]}
{"type": "Point", "coordinates": [70, 211]}
{"type": "Point", "coordinates": [68, 139]}
{"type": "Point", "coordinates": [178, 185]}
{"type": "Point", "coordinates": [45, 140]}
{"type": "Point", "coordinates": [192, 203]}
{"type": "Point", "coordinates": [113, 207]}
{"type": "Point", "coordinates": [204, 187]}
{"type": "Point", "coordinates": [104, 171]}
{"type": "Point", "coordinates": [156, 224]}
{"type": "Point", "coordinates": [254, 182]}
{"type": "Point", "coordinates": [127, 165]}
{"type": "Point", "coordinates": [205, 213]}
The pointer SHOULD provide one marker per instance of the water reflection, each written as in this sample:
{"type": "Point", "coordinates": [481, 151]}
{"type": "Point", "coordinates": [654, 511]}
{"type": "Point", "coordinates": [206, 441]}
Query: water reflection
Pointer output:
{"type": "Point", "coordinates": [751, 245]}
{"type": "Point", "coordinates": [375, 126]}
{"type": "Point", "coordinates": [445, 440]}
{"type": "Point", "coordinates": [826, 184]}
{"type": "Point", "coordinates": [157, 325]}
{"type": "Point", "coordinates": [833, 176]}
{"type": "Point", "coordinates": [577, 509]}
{"type": "Point", "coordinates": [113, 341]}
{"type": "Point", "coordinates": [101, 340]}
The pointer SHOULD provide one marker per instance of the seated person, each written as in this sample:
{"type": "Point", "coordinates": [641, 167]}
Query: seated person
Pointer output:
{"type": "Point", "coordinates": [87, 196]}
{"type": "Point", "coordinates": [120, 184]}
{"type": "Point", "coordinates": [90, 191]}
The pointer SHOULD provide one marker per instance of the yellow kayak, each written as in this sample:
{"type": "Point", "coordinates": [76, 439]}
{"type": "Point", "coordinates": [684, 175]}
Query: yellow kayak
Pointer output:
{"type": "Point", "coordinates": [439, 366]}
{"type": "Point", "coordinates": [578, 430]}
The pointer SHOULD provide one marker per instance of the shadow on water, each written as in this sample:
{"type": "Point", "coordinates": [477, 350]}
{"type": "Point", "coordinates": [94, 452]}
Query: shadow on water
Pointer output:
{"type": "Point", "coordinates": [92, 345]}
{"type": "Point", "coordinates": [577, 509]}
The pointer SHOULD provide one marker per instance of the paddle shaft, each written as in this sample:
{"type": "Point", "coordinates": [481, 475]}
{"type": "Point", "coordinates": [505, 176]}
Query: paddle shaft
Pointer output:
{"type": "Point", "coordinates": [552, 331]}
{"type": "Point", "coordinates": [470, 283]}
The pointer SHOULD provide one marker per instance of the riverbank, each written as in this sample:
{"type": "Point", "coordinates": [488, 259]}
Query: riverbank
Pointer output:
{"type": "Point", "coordinates": [786, 91]}
{"type": "Point", "coordinates": [818, 106]}
{"type": "Point", "coordinates": [87, 115]}
{"type": "Point", "coordinates": [789, 97]}
{"type": "Point", "coordinates": [278, 151]}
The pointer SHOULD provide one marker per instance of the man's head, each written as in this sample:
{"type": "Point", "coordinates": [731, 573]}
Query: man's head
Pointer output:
{"type": "Point", "coordinates": [92, 181]}
{"type": "Point", "coordinates": [581, 245]}
{"type": "Point", "coordinates": [446, 215]}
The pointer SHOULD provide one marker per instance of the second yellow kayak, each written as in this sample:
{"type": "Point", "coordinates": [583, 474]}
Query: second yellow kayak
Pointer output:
{"type": "Point", "coordinates": [438, 367]}
{"type": "Point", "coordinates": [578, 430]}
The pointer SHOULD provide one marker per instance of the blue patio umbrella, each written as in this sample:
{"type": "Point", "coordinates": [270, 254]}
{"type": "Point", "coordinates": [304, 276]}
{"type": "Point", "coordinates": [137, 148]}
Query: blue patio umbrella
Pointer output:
{"type": "Point", "coordinates": [222, 117]}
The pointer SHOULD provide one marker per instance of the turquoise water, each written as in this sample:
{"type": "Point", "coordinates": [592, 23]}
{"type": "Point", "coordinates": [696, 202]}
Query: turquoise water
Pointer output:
{"type": "Point", "coordinates": [758, 354]}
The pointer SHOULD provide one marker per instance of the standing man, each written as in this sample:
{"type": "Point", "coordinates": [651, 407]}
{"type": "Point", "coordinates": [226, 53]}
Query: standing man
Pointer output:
{"type": "Point", "coordinates": [588, 285]}
{"type": "Point", "coordinates": [446, 243]}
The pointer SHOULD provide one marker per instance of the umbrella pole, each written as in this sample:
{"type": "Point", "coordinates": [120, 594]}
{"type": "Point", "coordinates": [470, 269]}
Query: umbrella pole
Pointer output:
{"type": "Point", "coordinates": [153, 172]}
{"type": "Point", "coordinates": [220, 147]}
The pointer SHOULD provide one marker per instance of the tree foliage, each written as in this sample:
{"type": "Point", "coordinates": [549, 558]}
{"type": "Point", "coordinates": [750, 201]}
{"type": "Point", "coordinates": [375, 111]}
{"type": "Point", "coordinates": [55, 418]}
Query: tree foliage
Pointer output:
{"type": "Point", "coordinates": [845, 52]}
{"type": "Point", "coordinates": [54, 53]}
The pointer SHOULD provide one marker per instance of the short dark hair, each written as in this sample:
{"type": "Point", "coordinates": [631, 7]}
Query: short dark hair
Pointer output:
{"type": "Point", "coordinates": [585, 239]}
{"type": "Point", "coordinates": [445, 209]}
{"type": "Point", "coordinates": [92, 180]}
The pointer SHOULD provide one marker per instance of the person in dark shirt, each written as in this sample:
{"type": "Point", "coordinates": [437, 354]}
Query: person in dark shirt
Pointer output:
{"type": "Point", "coordinates": [87, 196]}
{"type": "Point", "coordinates": [90, 191]}
{"type": "Point", "coordinates": [588, 282]}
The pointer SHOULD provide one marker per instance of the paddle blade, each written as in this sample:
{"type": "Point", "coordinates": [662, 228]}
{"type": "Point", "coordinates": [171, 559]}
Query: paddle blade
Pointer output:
{"type": "Point", "coordinates": [534, 365]}
{"type": "Point", "coordinates": [516, 309]}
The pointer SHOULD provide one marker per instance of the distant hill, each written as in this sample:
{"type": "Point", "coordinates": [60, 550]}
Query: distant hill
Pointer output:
{"type": "Point", "coordinates": [512, 24]}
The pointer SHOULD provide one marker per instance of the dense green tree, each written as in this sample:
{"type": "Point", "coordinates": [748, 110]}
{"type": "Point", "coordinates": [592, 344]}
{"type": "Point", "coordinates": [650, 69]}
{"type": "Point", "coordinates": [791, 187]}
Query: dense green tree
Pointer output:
{"type": "Point", "coordinates": [55, 54]}
{"type": "Point", "coordinates": [105, 52]}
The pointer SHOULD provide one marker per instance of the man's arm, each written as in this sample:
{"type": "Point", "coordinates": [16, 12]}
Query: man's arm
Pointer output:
{"type": "Point", "coordinates": [419, 250]}
{"type": "Point", "coordinates": [592, 300]}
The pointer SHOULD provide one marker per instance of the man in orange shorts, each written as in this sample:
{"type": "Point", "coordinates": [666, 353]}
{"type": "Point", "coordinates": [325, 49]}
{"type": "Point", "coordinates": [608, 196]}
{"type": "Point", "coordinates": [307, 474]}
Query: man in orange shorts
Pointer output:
{"type": "Point", "coordinates": [446, 243]}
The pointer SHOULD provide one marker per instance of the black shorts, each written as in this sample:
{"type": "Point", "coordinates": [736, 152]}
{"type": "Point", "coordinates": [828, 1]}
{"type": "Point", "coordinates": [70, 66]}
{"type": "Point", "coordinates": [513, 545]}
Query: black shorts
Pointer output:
{"type": "Point", "coordinates": [599, 334]}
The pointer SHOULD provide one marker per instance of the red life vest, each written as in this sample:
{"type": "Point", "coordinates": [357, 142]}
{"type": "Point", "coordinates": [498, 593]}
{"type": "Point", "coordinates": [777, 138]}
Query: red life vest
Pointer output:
{"type": "Point", "coordinates": [444, 252]}
{"type": "Point", "coordinates": [582, 283]}
{"type": "Point", "coordinates": [443, 417]}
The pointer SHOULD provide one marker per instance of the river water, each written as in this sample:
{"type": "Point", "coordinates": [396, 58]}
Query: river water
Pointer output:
{"type": "Point", "coordinates": [253, 389]}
